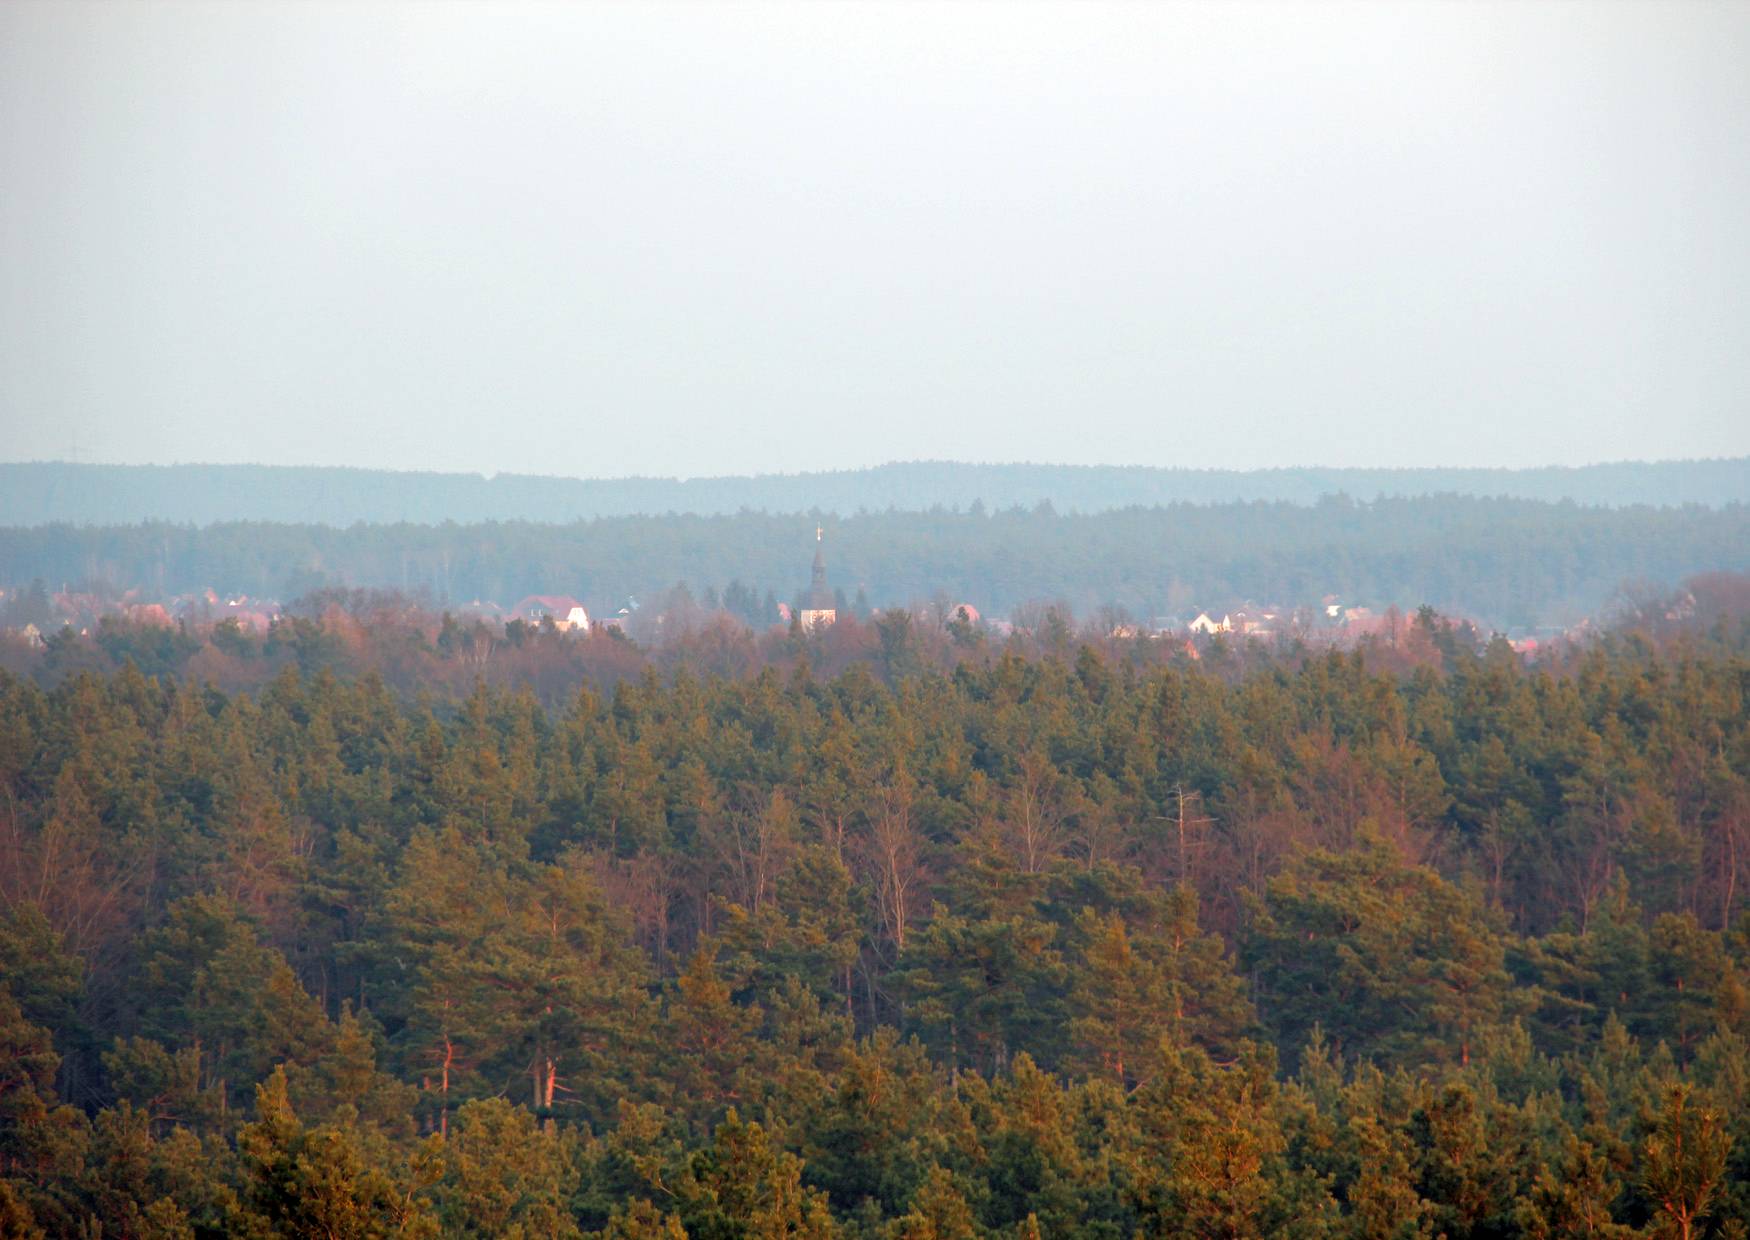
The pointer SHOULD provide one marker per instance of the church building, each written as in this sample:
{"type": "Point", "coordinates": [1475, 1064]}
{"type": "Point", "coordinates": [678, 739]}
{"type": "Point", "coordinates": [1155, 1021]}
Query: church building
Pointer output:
{"type": "Point", "coordinates": [819, 608]}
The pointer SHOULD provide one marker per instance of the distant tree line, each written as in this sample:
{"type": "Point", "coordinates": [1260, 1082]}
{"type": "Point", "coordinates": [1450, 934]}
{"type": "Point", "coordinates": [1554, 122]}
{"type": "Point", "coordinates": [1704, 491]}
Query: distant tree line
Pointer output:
{"type": "Point", "coordinates": [44, 492]}
{"type": "Point", "coordinates": [1502, 562]}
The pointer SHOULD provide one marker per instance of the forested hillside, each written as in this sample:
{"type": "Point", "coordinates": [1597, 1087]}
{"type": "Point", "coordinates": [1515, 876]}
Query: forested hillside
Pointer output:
{"type": "Point", "coordinates": [38, 493]}
{"type": "Point", "coordinates": [1502, 562]}
{"type": "Point", "coordinates": [1413, 941]}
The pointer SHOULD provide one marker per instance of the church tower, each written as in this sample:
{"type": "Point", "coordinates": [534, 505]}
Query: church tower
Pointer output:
{"type": "Point", "coordinates": [819, 608]}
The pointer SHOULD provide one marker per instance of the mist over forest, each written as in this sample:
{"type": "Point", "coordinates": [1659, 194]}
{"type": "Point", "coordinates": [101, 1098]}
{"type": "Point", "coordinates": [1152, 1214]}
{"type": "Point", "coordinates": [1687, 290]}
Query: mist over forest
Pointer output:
{"type": "Point", "coordinates": [1497, 560]}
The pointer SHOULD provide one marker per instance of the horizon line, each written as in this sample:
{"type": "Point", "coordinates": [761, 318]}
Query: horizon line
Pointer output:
{"type": "Point", "coordinates": [683, 479]}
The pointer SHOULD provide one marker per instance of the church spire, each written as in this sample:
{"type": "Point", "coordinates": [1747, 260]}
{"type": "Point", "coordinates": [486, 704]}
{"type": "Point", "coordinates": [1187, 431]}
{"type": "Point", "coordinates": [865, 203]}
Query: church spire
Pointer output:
{"type": "Point", "coordinates": [820, 607]}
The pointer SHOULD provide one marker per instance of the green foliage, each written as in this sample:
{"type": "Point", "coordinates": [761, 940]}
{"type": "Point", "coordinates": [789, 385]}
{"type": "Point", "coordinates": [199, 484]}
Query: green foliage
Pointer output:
{"type": "Point", "coordinates": [1392, 961]}
{"type": "Point", "coordinates": [1011, 951]}
{"type": "Point", "coordinates": [505, 1174]}
{"type": "Point", "coordinates": [1683, 1163]}
{"type": "Point", "coordinates": [319, 1181]}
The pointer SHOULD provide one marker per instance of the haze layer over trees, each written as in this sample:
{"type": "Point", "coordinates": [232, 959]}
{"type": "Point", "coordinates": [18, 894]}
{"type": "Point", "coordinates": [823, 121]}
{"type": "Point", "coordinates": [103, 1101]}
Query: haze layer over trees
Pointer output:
{"type": "Point", "coordinates": [37, 493]}
{"type": "Point", "coordinates": [1502, 562]}
{"type": "Point", "coordinates": [1410, 941]}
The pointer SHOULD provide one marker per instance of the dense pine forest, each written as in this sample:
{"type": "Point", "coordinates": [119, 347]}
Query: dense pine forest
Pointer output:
{"type": "Point", "coordinates": [879, 933]}
{"type": "Point", "coordinates": [1502, 562]}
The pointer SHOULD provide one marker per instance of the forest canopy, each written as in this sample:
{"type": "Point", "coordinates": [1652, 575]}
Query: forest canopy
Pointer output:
{"type": "Point", "coordinates": [1411, 940]}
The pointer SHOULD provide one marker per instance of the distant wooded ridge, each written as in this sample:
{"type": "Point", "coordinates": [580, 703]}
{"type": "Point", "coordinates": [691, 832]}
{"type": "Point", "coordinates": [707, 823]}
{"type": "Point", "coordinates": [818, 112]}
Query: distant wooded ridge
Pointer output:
{"type": "Point", "coordinates": [1507, 562]}
{"type": "Point", "coordinates": [38, 493]}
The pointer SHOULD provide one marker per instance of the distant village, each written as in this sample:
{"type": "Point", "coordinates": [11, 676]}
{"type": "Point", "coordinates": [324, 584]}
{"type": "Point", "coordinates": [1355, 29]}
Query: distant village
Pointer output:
{"type": "Point", "coordinates": [29, 615]}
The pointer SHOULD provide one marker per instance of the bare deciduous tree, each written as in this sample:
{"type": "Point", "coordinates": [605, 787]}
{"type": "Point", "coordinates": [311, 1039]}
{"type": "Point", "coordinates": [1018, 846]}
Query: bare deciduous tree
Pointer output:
{"type": "Point", "coordinates": [891, 855]}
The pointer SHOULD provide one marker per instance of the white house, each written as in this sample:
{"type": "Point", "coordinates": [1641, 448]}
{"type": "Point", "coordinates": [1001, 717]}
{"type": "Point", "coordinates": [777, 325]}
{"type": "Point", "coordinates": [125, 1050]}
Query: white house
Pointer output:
{"type": "Point", "coordinates": [566, 613]}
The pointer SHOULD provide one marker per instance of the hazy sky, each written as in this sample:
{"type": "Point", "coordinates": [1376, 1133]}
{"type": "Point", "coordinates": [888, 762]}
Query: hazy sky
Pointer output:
{"type": "Point", "coordinates": [692, 240]}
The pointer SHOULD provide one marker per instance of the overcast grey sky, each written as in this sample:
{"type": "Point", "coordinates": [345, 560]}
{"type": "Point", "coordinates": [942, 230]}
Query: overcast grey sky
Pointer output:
{"type": "Point", "coordinates": [603, 240]}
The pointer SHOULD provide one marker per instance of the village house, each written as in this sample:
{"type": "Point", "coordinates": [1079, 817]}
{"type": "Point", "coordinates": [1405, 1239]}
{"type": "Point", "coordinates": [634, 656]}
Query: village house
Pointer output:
{"type": "Point", "coordinates": [1253, 621]}
{"type": "Point", "coordinates": [565, 612]}
{"type": "Point", "coordinates": [620, 620]}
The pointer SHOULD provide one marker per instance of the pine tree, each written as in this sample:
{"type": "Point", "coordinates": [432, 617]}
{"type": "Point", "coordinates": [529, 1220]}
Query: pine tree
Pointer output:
{"type": "Point", "coordinates": [317, 1182]}
{"type": "Point", "coordinates": [742, 1186]}
{"type": "Point", "coordinates": [503, 1174]}
{"type": "Point", "coordinates": [1683, 1162]}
